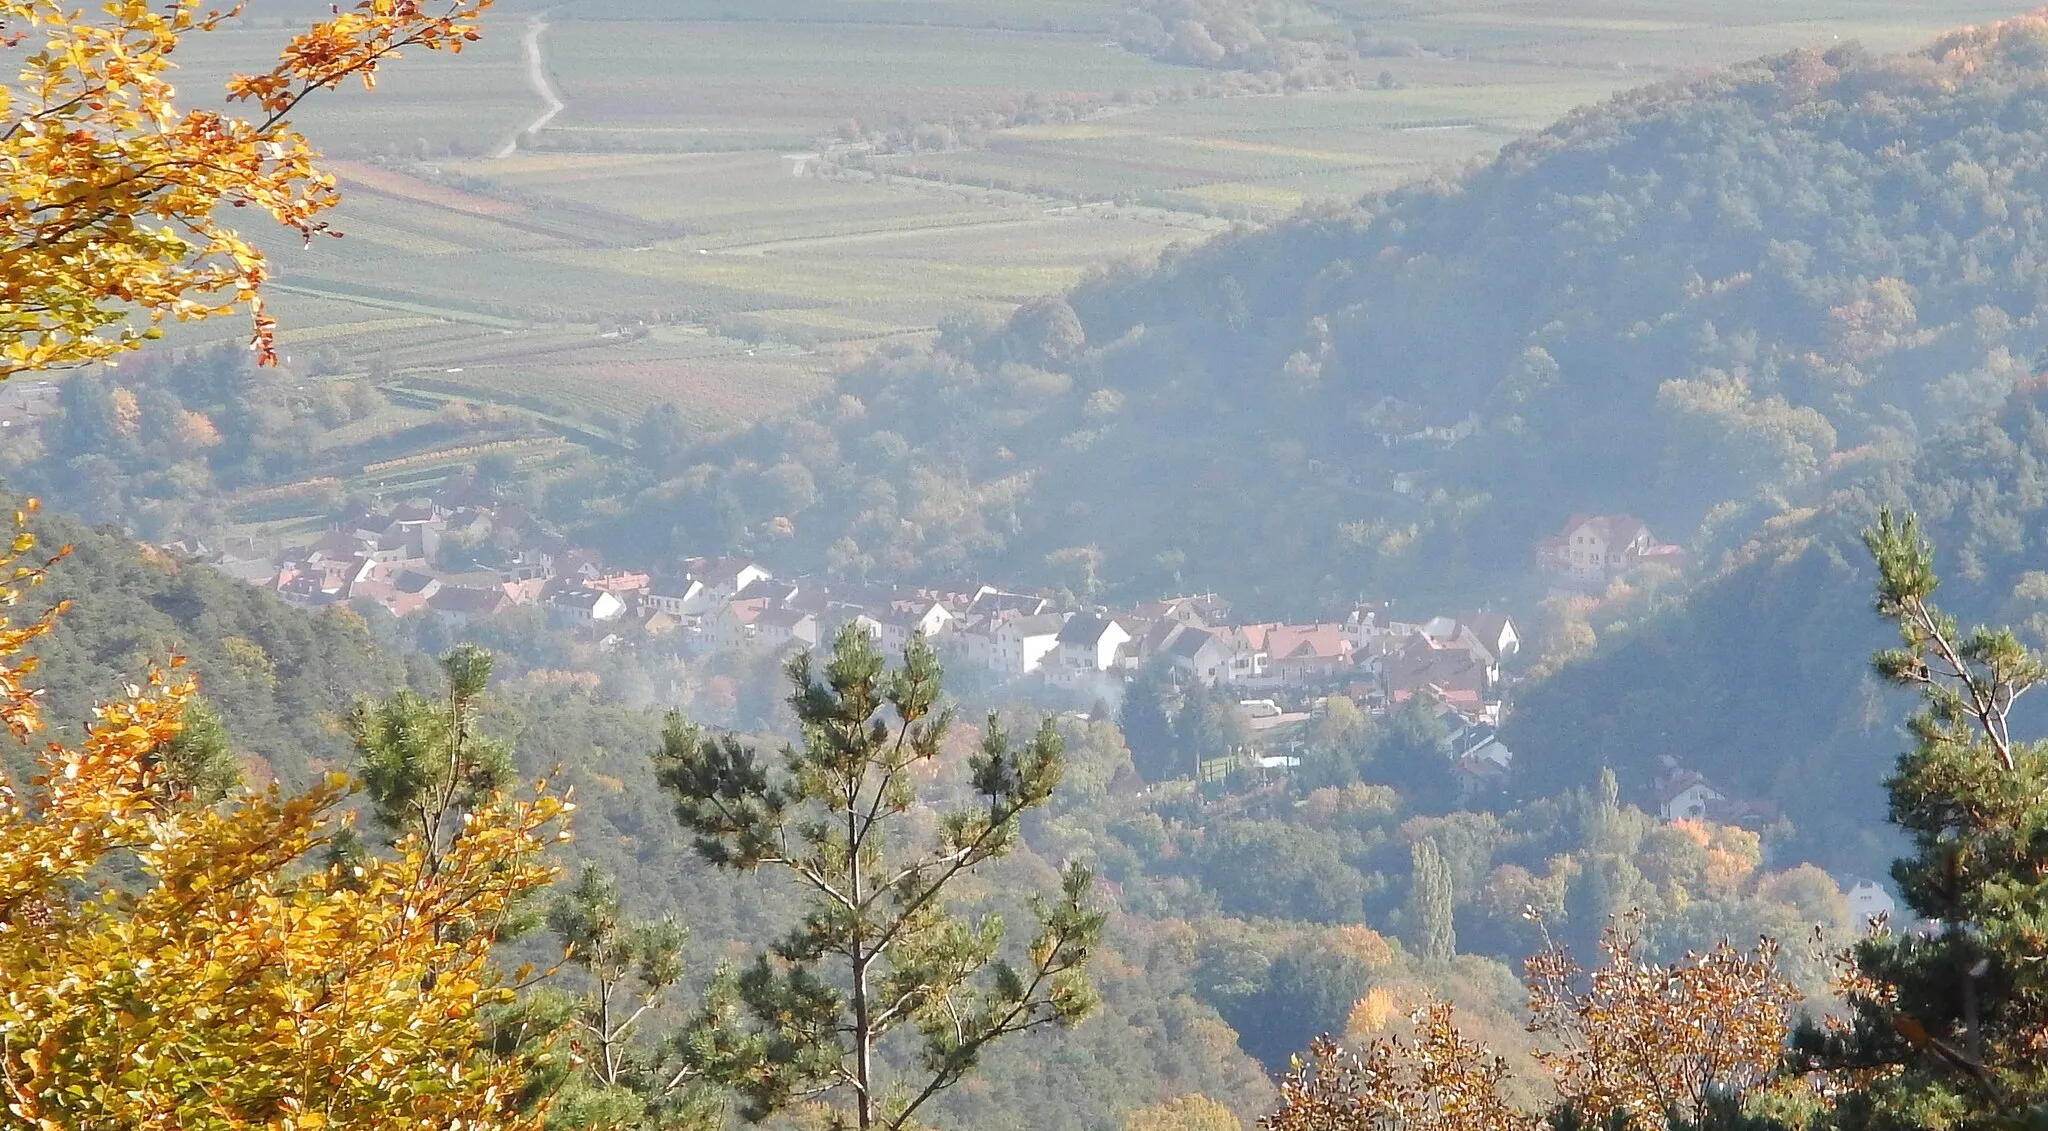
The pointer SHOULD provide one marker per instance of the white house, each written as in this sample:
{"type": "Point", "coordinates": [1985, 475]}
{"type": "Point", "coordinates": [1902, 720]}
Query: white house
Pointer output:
{"type": "Point", "coordinates": [730, 625]}
{"type": "Point", "coordinates": [1867, 900]}
{"type": "Point", "coordinates": [904, 619]}
{"type": "Point", "coordinates": [1685, 796]}
{"type": "Point", "coordinates": [972, 640]}
{"type": "Point", "coordinates": [1088, 645]}
{"type": "Point", "coordinates": [588, 605]}
{"type": "Point", "coordinates": [682, 596]}
{"type": "Point", "coordinates": [1022, 643]}
{"type": "Point", "coordinates": [778, 628]}
{"type": "Point", "coordinates": [723, 579]}
{"type": "Point", "coordinates": [1204, 654]}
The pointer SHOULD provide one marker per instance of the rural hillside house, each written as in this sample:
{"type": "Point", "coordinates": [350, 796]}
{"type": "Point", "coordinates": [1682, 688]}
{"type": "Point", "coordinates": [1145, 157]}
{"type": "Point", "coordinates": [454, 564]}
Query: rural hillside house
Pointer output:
{"type": "Point", "coordinates": [724, 578]}
{"type": "Point", "coordinates": [1022, 643]}
{"type": "Point", "coordinates": [1594, 549]}
{"type": "Point", "coordinates": [909, 617]}
{"type": "Point", "coordinates": [678, 595]}
{"type": "Point", "coordinates": [1686, 796]}
{"type": "Point", "coordinates": [588, 605]}
{"type": "Point", "coordinates": [1866, 900]}
{"type": "Point", "coordinates": [1306, 653]}
{"type": "Point", "coordinates": [776, 629]}
{"type": "Point", "coordinates": [1088, 645]}
{"type": "Point", "coordinates": [1204, 654]}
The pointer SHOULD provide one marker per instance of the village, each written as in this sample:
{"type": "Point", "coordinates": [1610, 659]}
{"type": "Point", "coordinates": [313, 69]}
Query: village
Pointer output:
{"type": "Point", "coordinates": [461, 557]}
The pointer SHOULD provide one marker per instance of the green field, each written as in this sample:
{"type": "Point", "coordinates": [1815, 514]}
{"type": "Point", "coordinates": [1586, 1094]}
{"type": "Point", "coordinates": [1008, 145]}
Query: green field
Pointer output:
{"type": "Point", "coordinates": [714, 173]}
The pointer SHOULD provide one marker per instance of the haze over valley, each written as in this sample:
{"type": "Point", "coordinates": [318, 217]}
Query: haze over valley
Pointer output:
{"type": "Point", "coordinates": [1145, 565]}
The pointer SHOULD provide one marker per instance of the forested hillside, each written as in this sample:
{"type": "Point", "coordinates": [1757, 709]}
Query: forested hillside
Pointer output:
{"type": "Point", "coordinates": [1759, 678]}
{"type": "Point", "coordinates": [1696, 294]}
{"type": "Point", "coordinates": [283, 679]}
{"type": "Point", "coordinates": [278, 677]}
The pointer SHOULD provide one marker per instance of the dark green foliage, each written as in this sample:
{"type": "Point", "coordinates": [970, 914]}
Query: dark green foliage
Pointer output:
{"type": "Point", "coordinates": [1753, 680]}
{"type": "Point", "coordinates": [1282, 871]}
{"type": "Point", "coordinates": [1305, 994]}
{"type": "Point", "coordinates": [1962, 1012]}
{"type": "Point", "coordinates": [1148, 726]}
{"type": "Point", "coordinates": [425, 762]}
{"type": "Point", "coordinates": [627, 968]}
{"type": "Point", "coordinates": [1413, 754]}
{"type": "Point", "coordinates": [662, 438]}
{"type": "Point", "coordinates": [877, 953]}
{"type": "Point", "coordinates": [1209, 724]}
{"type": "Point", "coordinates": [1428, 918]}
{"type": "Point", "coordinates": [198, 763]}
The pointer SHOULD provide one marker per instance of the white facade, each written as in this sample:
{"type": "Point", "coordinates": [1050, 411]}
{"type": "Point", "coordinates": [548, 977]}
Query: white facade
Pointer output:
{"type": "Point", "coordinates": [1690, 803]}
{"type": "Point", "coordinates": [687, 599]}
{"type": "Point", "coordinates": [1088, 647]}
{"type": "Point", "coordinates": [1022, 643]}
{"type": "Point", "coordinates": [1867, 900]}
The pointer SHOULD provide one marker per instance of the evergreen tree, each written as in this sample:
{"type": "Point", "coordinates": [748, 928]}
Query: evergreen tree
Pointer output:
{"type": "Point", "coordinates": [198, 764]}
{"type": "Point", "coordinates": [1428, 915]}
{"type": "Point", "coordinates": [1148, 728]}
{"type": "Point", "coordinates": [426, 764]}
{"type": "Point", "coordinates": [1956, 1020]}
{"type": "Point", "coordinates": [628, 969]}
{"type": "Point", "coordinates": [878, 952]}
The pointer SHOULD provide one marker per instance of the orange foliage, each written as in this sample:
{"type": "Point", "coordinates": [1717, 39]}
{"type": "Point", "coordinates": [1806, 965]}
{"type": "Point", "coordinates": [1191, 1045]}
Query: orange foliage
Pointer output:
{"type": "Point", "coordinates": [112, 192]}
{"type": "Point", "coordinates": [228, 980]}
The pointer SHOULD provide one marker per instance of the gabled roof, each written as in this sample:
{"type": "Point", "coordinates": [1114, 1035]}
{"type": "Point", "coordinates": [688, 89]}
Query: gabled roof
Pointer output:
{"type": "Point", "coordinates": [1191, 641]}
{"type": "Point", "coordinates": [413, 581]}
{"type": "Point", "coordinates": [466, 601]}
{"type": "Point", "coordinates": [1675, 786]}
{"type": "Point", "coordinates": [766, 589]}
{"type": "Point", "coordinates": [583, 600]}
{"type": "Point", "coordinates": [721, 570]}
{"type": "Point", "coordinates": [336, 545]}
{"type": "Point", "coordinates": [1044, 624]}
{"type": "Point", "coordinates": [1615, 527]}
{"type": "Point", "coordinates": [673, 585]}
{"type": "Point", "coordinates": [782, 618]}
{"type": "Point", "coordinates": [406, 513]}
{"type": "Point", "coordinates": [1307, 641]}
{"type": "Point", "coordinates": [997, 601]}
{"type": "Point", "coordinates": [1084, 630]}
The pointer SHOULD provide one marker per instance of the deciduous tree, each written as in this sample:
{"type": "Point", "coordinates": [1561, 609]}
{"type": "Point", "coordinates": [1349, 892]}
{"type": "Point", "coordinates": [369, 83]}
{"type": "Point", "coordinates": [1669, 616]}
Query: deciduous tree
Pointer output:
{"type": "Point", "coordinates": [171, 964]}
{"type": "Point", "coordinates": [111, 218]}
{"type": "Point", "coordinates": [1644, 1041]}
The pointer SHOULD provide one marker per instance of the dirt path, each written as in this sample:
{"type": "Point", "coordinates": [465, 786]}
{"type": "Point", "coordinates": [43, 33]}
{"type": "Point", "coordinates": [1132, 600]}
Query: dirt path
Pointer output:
{"type": "Point", "coordinates": [537, 77]}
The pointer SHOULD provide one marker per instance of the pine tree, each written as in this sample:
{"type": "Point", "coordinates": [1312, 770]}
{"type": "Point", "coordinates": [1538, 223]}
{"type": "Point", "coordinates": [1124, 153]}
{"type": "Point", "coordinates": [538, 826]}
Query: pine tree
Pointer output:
{"type": "Point", "coordinates": [877, 952]}
{"type": "Point", "coordinates": [1430, 929]}
{"type": "Point", "coordinates": [629, 968]}
{"type": "Point", "coordinates": [1949, 1028]}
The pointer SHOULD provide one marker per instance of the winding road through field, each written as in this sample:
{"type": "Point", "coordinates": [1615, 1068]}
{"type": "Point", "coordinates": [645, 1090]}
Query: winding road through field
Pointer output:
{"type": "Point", "coordinates": [537, 76]}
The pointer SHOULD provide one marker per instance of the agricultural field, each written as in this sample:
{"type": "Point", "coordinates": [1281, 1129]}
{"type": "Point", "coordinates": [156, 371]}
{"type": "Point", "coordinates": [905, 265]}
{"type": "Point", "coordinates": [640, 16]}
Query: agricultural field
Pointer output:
{"type": "Point", "coordinates": [736, 197]}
